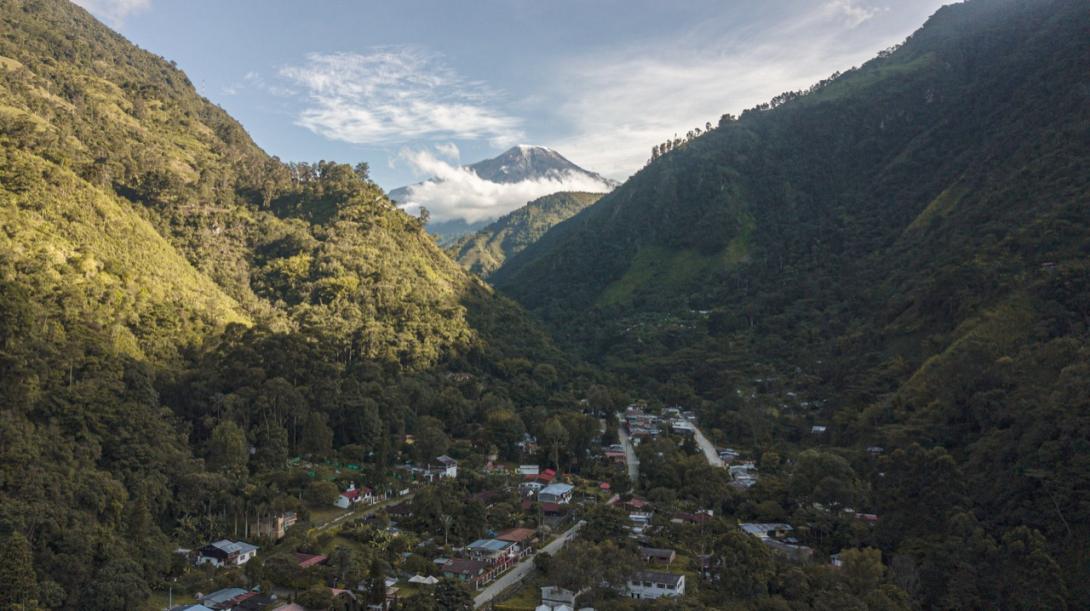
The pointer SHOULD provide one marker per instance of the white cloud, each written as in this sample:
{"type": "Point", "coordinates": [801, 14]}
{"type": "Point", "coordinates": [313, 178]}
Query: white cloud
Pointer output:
{"type": "Point", "coordinates": [457, 192]}
{"type": "Point", "coordinates": [449, 150]}
{"type": "Point", "coordinates": [113, 11]}
{"type": "Point", "coordinates": [853, 12]}
{"type": "Point", "coordinates": [396, 95]}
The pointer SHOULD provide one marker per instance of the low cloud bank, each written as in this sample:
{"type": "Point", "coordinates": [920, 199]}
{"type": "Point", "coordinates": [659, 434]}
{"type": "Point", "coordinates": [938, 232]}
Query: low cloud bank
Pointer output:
{"type": "Point", "coordinates": [456, 192]}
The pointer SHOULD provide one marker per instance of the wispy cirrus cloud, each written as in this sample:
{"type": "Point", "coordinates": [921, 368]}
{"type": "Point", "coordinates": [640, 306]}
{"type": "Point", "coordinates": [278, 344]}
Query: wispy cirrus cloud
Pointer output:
{"type": "Point", "coordinates": [113, 12]}
{"type": "Point", "coordinates": [620, 102]}
{"type": "Point", "coordinates": [852, 12]}
{"type": "Point", "coordinates": [395, 95]}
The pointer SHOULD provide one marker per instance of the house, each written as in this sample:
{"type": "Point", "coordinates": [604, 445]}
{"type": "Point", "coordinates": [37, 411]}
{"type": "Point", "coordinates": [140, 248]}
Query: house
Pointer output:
{"type": "Point", "coordinates": [743, 475]}
{"type": "Point", "coordinates": [305, 561]}
{"type": "Point", "coordinates": [765, 530]}
{"type": "Point", "coordinates": [791, 551]}
{"type": "Point", "coordinates": [836, 560]}
{"type": "Point", "coordinates": [227, 598]}
{"type": "Point", "coordinates": [473, 572]}
{"type": "Point", "coordinates": [522, 538]}
{"type": "Point", "coordinates": [653, 584]}
{"type": "Point", "coordinates": [556, 493]}
{"type": "Point", "coordinates": [444, 467]}
{"type": "Point", "coordinates": [491, 551]}
{"type": "Point", "coordinates": [554, 597]}
{"type": "Point", "coordinates": [525, 470]}
{"type": "Point", "coordinates": [817, 429]}
{"type": "Point", "coordinates": [354, 495]}
{"type": "Point", "coordinates": [449, 465]}
{"type": "Point", "coordinates": [423, 581]}
{"type": "Point", "coordinates": [191, 608]}
{"type": "Point", "coordinates": [682, 427]}
{"type": "Point", "coordinates": [275, 527]}
{"type": "Point", "coordinates": [226, 553]}
{"type": "Point", "coordinates": [656, 555]}
{"type": "Point", "coordinates": [544, 478]}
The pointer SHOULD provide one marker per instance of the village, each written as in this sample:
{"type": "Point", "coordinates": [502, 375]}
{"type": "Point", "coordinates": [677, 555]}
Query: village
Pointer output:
{"type": "Point", "coordinates": [486, 528]}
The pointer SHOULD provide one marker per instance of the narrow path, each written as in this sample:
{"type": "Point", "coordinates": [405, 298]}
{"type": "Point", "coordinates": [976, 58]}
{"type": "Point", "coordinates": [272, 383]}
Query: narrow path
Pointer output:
{"type": "Point", "coordinates": [357, 513]}
{"type": "Point", "coordinates": [706, 446]}
{"type": "Point", "coordinates": [522, 569]}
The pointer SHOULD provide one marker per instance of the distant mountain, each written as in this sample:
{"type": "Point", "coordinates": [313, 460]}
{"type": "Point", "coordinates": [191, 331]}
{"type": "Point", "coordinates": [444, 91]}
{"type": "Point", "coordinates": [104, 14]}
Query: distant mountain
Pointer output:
{"type": "Point", "coordinates": [517, 164]}
{"type": "Point", "coordinates": [906, 249]}
{"type": "Point", "coordinates": [525, 162]}
{"type": "Point", "coordinates": [486, 250]}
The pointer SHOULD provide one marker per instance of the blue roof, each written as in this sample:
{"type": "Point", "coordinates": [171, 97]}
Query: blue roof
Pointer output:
{"type": "Point", "coordinates": [557, 489]}
{"type": "Point", "coordinates": [492, 545]}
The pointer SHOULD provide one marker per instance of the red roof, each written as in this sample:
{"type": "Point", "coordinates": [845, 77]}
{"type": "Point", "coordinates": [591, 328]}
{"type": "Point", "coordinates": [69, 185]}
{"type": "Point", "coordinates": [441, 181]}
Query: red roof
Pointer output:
{"type": "Point", "coordinates": [637, 503]}
{"type": "Point", "coordinates": [308, 560]}
{"type": "Point", "coordinates": [350, 494]}
{"type": "Point", "coordinates": [604, 485]}
{"type": "Point", "coordinates": [517, 535]}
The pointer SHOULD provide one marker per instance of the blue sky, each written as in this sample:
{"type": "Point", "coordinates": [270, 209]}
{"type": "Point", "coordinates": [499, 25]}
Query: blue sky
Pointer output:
{"type": "Point", "coordinates": [601, 81]}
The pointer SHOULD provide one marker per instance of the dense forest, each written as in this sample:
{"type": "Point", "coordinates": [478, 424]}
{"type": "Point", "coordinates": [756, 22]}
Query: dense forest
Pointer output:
{"type": "Point", "coordinates": [485, 251]}
{"type": "Point", "coordinates": [899, 254]}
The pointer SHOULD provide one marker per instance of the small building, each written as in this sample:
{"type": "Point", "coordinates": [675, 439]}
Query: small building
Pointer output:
{"type": "Point", "coordinates": [525, 470]}
{"type": "Point", "coordinates": [554, 597]}
{"type": "Point", "coordinates": [473, 572]}
{"type": "Point", "coordinates": [654, 584]}
{"type": "Point", "coordinates": [817, 429]}
{"type": "Point", "coordinates": [227, 598]}
{"type": "Point", "coordinates": [449, 465]}
{"type": "Point", "coordinates": [556, 493]}
{"type": "Point", "coordinates": [764, 531]}
{"type": "Point", "coordinates": [657, 555]}
{"type": "Point", "coordinates": [305, 561]}
{"type": "Point", "coordinates": [354, 495]}
{"type": "Point", "coordinates": [681, 426]}
{"type": "Point", "coordinates": [226, 553]}
{"type": "Point", "coordinates": [522, 538]}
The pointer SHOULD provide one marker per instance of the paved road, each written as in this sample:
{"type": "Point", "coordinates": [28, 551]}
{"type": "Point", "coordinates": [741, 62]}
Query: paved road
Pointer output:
{"type": "Point", "coordinates": [706, 446]}
{"type": "Point", "coordinates": [522, 569]}
{"type": "Point", "coordinates": [629, 454]}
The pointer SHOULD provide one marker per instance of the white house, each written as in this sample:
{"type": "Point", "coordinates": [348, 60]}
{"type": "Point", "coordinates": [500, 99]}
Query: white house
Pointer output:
{"type": "Point", "coordinates": [226, 553]}
{"type": "Point", "coordinates": [354, 495]}
{"type": "Point", "coordinates": [653, 584]}
{"type": "Point", "coordinates": [449, 466]}
{"type": "Point", "coordinates": [556, 493]}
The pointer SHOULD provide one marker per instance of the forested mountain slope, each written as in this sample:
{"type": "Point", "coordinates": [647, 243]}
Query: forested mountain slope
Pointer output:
{"type": "Point", "coordinates": [486, 250]}
{"type": "Point", "coordinates": [171, 296]}
{"type": "Point", "coordinates": [906, 248]}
